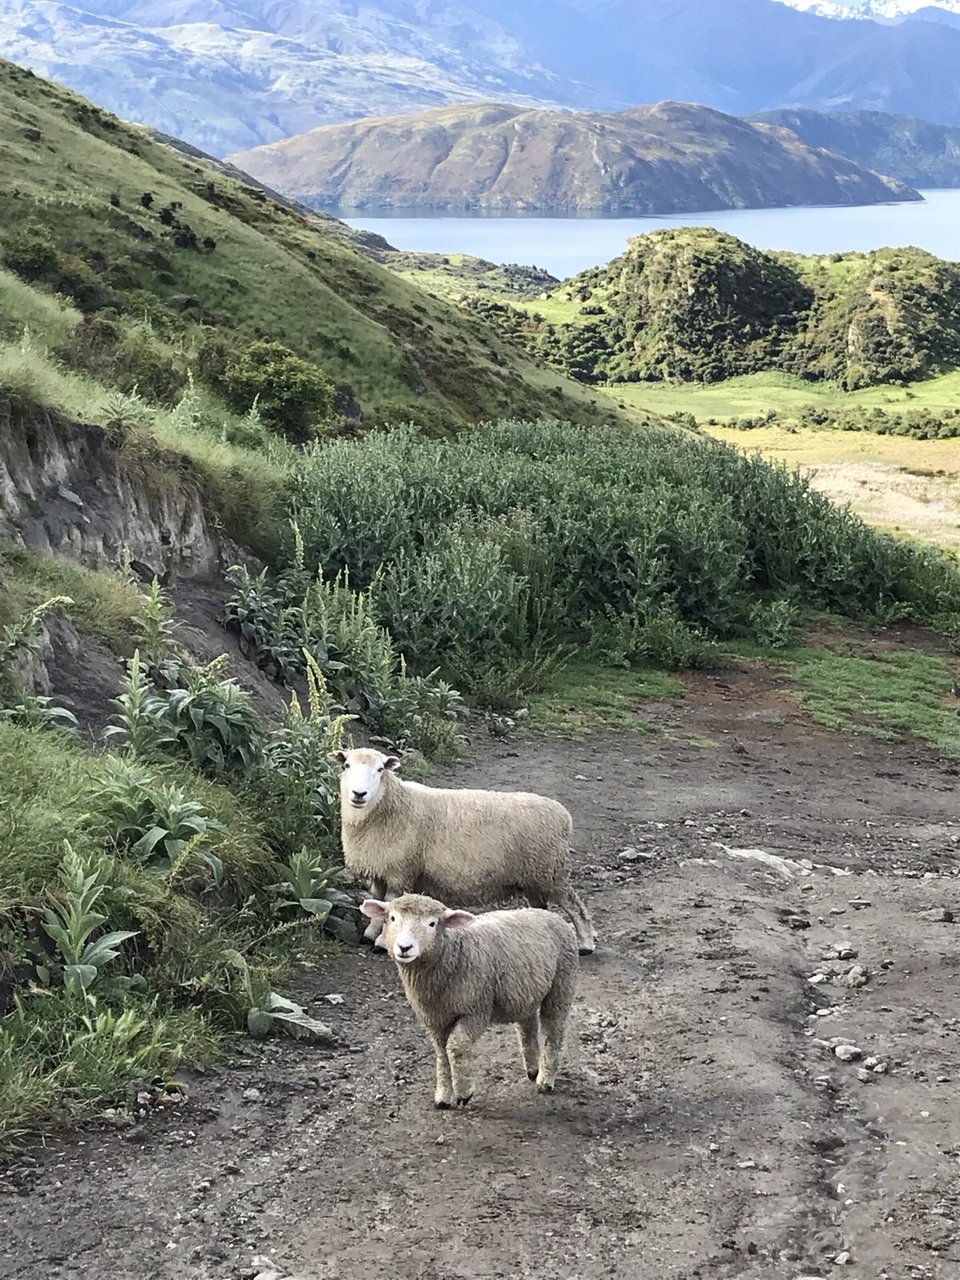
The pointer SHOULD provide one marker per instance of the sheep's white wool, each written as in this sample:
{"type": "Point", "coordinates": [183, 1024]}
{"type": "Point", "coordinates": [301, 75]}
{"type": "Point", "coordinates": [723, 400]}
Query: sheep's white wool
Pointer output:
{"type": "Point", "coordinates": [466, 845]}
{"type": "Point", "coordinates": [461, 972]}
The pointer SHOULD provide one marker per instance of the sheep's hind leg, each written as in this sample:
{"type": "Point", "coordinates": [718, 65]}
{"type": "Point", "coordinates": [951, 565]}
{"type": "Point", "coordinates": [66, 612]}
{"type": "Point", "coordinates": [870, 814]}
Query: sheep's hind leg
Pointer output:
{"type": "Point", "coordinates": [443, 1098]}
{"type": "Point", "coordinates": [554, 1013]}
{"type": "Point", "coordinates": [530, 1044]}
{"type": "Point", "coordinates": [459, 1051]}
{"type": "Point", "coordinates": [568, 901]}
{"type": "Point", "coordinates": [378, 891]}
{"type": "Point", "coordinates": [390, 891]}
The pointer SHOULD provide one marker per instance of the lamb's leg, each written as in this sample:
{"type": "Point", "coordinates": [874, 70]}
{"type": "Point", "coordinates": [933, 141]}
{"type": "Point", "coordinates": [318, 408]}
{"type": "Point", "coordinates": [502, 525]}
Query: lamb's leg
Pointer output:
{"type": "Point", "coordinates": [530, 1044]}
{"type": "Point", "coordinates": [378, 890]}
{"type": "Point", "coordinates": [459, 1046]}
{"type": "Point", "coordinates": [554, 1013]}
{"type": "Point", "coordinates": [443, 1098]}
{"type": "Point", "coordinates": [568, 901]}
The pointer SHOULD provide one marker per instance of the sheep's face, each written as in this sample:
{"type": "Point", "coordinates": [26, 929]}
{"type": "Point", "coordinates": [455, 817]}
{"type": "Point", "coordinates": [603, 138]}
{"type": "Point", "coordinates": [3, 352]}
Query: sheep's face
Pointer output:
{"type": "Point", "coordinates": [414, 925]}
{"type": "Point", "coordinates": [362, 778]}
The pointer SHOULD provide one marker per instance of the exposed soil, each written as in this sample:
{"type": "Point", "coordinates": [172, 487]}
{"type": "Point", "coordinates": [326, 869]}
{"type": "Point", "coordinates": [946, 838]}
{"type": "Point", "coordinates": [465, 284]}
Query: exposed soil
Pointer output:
{"type": "Point", "coordinates": [703, 1125]}
{"type": "Point", "coordinates": [924, 504]}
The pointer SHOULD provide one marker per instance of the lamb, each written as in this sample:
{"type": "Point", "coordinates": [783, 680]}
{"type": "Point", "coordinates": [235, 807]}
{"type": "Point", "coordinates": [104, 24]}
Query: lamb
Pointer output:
{"type": "Point", "coordinates": [462, 972]}
{"type": "Point", "coordinates": [473, 846]}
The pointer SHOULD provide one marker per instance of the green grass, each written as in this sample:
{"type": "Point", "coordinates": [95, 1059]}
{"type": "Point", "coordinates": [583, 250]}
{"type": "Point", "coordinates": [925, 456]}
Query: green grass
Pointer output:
{"type": "Point", "coordinates": [884, 694]}
{"type": "Point", "coordinates": [584, 698]}
{"type": "Point", "coordinates": [753, 394]}
{"type": "Point", "coordinates": [104, 604]}
{"type": "Point", "coordinates": [49, 318]}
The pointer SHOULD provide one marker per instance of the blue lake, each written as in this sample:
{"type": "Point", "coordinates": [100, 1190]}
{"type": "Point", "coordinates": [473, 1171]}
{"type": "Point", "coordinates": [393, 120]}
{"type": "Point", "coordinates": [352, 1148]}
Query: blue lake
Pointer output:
{"type": "Point", "coordinates": [564, 246]}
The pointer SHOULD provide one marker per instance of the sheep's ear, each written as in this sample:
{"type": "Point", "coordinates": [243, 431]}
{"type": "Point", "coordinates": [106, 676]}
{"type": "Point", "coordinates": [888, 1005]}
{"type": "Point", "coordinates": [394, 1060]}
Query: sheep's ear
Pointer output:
{"type": "Point", "coordinates": [393, 763]}
{"type": "Point", "coordinates": [458, 919]}
{"type": "Point", "coordinates": [374, 909]}
{"type": "Point", "coordinates": [338, 757]}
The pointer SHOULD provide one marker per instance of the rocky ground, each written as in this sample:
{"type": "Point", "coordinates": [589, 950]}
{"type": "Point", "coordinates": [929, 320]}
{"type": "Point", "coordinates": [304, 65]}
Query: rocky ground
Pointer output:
{"type": "Point", "coordinates": [761, 1075]}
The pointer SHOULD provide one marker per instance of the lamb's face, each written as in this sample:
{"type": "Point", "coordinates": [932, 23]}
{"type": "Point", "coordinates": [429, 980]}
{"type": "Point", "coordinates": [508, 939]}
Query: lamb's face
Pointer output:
{"type": "Point", "coordinates": [362, 778]}
{"type": "Point", "coordinates": [414, 925]}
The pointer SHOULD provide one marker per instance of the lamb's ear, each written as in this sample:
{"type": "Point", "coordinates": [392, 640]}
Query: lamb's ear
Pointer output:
{"type": "Point", "coordinates": [393, 763]}
{"type": "Point", "coordinates": [458, 919]}
{"type": "Point", "coordinates": [338, 757]}
{"type": "Point", "coordinates": [374, 909]}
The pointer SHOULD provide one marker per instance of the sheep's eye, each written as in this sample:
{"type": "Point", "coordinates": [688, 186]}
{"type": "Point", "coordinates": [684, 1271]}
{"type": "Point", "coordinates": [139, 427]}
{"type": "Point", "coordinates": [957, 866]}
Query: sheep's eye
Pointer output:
{"type": "Point", "coordinates": [380, 770]}
{"type": "Point", "coordinates": [393, 919]}
{"type": "Point", "coordinates": [432, 924]}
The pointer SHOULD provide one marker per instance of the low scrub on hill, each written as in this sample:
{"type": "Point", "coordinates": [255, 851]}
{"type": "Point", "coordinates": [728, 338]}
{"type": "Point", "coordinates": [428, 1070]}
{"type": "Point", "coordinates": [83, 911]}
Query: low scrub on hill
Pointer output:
{"type": "Point", "coordinates": [696, 305]}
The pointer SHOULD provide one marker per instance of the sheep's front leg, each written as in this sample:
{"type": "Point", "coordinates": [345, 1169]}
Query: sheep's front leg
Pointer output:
{"type": "Point", "coordinates": [460, 1044]}
{"type": "Point", "coordinates": [443, 1098]}
{"type": "Point", "coordinates": [378, 891]}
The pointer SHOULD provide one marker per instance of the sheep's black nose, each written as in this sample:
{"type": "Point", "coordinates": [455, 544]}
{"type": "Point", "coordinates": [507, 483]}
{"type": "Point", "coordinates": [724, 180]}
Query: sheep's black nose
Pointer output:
{"type": "Point", "coordinates": [404, 949]}
{"type": "Point", "coordinates": [359, 795]}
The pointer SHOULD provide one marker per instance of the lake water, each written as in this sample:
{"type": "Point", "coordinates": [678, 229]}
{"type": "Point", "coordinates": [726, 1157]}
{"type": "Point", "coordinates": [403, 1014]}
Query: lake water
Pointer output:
{"type": "Point", "coordinates": [564, 246]}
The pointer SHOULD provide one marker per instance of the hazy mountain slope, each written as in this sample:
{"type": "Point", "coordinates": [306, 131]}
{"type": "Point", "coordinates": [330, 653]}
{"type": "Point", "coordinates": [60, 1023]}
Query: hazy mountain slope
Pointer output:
{"type": "Point", "coordinates": [231, 74]}
{"type": "Point", "coordinates": [210, 258]}
{"type": "Point", "coordinates": [668, 158]}
{"type": "Point", "coordinates": [222, 88]}
{"type": "Point", "coordinates": [915, 151]}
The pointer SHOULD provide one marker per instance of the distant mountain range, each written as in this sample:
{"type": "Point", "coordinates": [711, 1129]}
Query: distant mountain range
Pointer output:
{"type": "Point", "coordinates": [914, 151]}
{"type": "Point", "coordinates": [946, 11]}
{"type": "Point", "coordinates": [670, 158]}
{"type": "Point", "coordinates": [228, 75]}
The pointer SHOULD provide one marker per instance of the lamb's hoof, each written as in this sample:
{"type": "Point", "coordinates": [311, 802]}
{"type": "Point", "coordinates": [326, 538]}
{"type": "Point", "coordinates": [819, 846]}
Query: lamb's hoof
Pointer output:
{"type": "Point", "coordinates": [544, 1088]}
{"type": "Point", "coordinates": [462, 1102]}
{"type": "Point", "coordinates": [587, 951]}
{"type": "Point", "coordinates": [532, 1075]}
{"type": "Point", "coordinates": [443, 1106]}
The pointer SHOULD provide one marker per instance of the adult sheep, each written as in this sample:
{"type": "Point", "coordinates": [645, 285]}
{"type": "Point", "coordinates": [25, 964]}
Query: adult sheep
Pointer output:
{"type": "Point", "coordinates": [462, 972]}
{"type": "Point", "coordinates": [469, 846]}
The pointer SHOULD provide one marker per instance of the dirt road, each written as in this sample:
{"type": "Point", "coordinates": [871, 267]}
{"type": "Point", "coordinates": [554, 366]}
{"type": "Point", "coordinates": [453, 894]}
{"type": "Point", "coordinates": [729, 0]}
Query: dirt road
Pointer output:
{"type": "Point", "coordinates": [704, 1124]}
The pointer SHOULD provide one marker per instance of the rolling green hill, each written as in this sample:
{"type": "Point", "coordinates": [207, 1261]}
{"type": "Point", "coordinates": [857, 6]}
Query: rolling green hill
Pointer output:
{"type": "Point", "coordinates": [667, 158]}
{"type": "Point", "coordinates": [137, 234]}
{"type": "Point", "coordinates": [697, 305]}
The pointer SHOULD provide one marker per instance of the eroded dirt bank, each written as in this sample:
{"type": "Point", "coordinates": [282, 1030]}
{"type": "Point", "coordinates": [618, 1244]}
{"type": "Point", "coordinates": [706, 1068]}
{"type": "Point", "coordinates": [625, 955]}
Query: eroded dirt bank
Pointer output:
{"type": "Point", "coordinates": [704, 1127]}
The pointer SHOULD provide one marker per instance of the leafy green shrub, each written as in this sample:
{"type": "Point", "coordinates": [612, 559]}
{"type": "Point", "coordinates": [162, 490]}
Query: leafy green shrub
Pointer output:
{"type": "Point", "coordinates": [309, 887]}
{"type": "Point", "coordinates": [70, 921]}
{"type": "Point", "coordinates": [213, 723]}
{"type": "Point", "coordinates": [291, 394]}
{"type": "Point", "coordinates": [774, 623]}
{"type": "Point", "coordinates": [655, 636]}
{"type": "Point", "coordinates": [156, 823]}
{"type": "Point", "coordinates": [479, 551]}
{"type": "Point", "coordinates": [297, 786]}
{"type": "Point", "coordinates": [297, 622]}
{"type": "Point", "coordinates": [265, 1011]}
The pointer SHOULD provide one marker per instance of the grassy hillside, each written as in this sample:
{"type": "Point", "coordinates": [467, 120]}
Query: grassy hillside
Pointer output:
{"type": "Point", "coordinates": [697, 305]}
{"type": "Point", "coordinates": [671, 157]}
{"type": "Point", "coordinates": [134, 232]}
